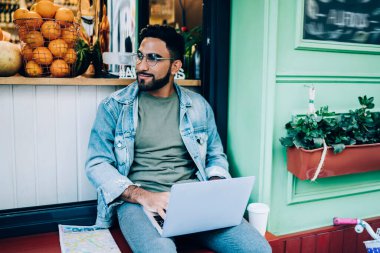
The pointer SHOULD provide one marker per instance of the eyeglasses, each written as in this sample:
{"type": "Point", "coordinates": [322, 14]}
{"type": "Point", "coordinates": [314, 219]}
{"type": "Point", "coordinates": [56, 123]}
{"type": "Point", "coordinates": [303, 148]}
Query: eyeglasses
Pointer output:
{"type": "Point", "coordinates": [151, 58]}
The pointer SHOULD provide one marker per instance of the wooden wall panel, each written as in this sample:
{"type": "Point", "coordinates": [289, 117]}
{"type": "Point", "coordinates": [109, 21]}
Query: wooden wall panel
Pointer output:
{"type": "Point", "coordinates": [308, 244]}
{"type": "Point", "coordinates": [277, 246]}
{"type": "Point", "coordinates": [25, 144]}
{"type": "Point", "coordinates": [86, 111]}
{"type": "Point", "coordinates": [336, 242]}
{"type": "Point", "coordinates": [8, 197]}
{"type": "Point", "coordinates": [293, 245]}
{"type": "Point", "coordinates": [331, 239]}
{"type": "Point", "coordinates": [44, 133]}
{"type": "Point", "coordinates": [46, 174]}
{"type": "Point", "coordinates": [322, 243]}
{"type": "Point", "coordinates": [67, 172]}
{"type": "Point", "coordinates": [349, 240]}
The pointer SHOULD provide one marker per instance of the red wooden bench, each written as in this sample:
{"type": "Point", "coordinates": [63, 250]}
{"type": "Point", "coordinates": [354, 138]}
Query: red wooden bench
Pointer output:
{"type": "Point", "coordinates": [49, 243]}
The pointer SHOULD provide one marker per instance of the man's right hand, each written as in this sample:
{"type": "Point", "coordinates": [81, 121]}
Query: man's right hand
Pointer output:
{"type": "Point", "coordinates": [152, 201]}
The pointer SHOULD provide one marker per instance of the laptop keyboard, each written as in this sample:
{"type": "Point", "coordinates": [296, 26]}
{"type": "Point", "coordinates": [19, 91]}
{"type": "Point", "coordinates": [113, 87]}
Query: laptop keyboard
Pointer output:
{"type": "Point", "coordinates": [159, 220]}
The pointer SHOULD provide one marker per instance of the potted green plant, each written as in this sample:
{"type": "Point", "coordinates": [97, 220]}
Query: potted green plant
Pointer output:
{"type": "Point", "coordinates": [193, 40]}
{"type": "Point", "coordinates": [327, 144]}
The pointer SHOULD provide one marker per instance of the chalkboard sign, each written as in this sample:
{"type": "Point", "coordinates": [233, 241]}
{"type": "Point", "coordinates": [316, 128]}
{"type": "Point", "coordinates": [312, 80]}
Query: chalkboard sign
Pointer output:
{"type": "Point", "coordinates": [353, 21]}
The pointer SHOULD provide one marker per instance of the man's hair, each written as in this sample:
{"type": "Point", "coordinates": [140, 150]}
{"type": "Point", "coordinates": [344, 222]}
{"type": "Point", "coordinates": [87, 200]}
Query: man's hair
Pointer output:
{"type": "Point", "coordinates": [173, 40]}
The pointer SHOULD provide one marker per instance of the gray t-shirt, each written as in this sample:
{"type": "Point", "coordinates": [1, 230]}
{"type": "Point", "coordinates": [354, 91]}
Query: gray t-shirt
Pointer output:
{"type": "Point", "coordinates": [161, 158]}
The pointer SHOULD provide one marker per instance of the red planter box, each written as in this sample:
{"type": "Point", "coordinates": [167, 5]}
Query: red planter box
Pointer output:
{"type": "Point", "coordinates": [354, 159]}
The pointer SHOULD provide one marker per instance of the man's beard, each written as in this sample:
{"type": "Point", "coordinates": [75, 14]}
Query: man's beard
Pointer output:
{"type": "Point", "coordinates": [154, 84]}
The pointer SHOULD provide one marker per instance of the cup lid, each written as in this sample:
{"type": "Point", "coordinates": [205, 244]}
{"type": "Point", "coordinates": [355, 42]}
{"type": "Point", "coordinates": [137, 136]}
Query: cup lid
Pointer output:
{"type": "Point", "coordinates": [258, 208]}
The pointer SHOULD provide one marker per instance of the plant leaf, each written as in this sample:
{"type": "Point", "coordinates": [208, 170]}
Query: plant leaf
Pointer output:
{"type": "Point", "coordinates": [318, 142]}
{"type": "Point", "coordinates": [287, 141]}
{"type": "Point", "coordinates": [338, 148]}
{"type": "Point", "coordinates": [360, 100]}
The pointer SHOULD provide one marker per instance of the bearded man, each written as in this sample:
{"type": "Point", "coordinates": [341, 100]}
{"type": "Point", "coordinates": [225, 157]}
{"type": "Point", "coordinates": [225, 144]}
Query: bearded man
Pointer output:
{"type": "Point", "coordinates": [151, 135]}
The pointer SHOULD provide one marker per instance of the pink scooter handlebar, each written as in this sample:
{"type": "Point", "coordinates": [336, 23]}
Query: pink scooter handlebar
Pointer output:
{"type": "Point", "coordinates": [345, 221]}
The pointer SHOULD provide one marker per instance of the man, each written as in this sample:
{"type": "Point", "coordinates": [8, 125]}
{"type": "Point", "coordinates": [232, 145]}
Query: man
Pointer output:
{"type": "Point", "coordinates": [151, 135]}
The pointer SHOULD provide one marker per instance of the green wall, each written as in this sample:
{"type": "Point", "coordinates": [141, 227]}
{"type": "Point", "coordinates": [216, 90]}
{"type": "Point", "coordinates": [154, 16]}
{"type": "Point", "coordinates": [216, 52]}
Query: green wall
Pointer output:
{"type": "Point", "coordinates": [245, 92]}
{"type": "Point", "coordinates": [267, 85]}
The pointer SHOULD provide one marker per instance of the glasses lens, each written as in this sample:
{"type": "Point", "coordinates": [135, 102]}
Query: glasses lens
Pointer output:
{"type": "Point", "coordinates": [139, 57]}
{"type": "Point", "coordinates": [151, 59]}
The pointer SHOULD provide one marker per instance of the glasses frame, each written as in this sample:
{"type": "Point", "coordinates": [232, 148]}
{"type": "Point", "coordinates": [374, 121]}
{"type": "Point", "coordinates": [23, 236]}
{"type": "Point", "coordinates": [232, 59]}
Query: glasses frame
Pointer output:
{"type": "Point", "coordinates": [149, 62]}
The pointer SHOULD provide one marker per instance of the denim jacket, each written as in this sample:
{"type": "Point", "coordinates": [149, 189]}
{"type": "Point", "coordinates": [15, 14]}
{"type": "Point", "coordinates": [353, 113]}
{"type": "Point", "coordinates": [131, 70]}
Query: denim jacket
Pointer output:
{"type": "Point", "coordinates": [111, 144]}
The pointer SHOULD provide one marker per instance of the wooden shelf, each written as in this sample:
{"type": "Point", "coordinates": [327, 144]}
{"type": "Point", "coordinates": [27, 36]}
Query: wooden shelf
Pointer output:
{"type": "Point", "coordinates": [80, 80]}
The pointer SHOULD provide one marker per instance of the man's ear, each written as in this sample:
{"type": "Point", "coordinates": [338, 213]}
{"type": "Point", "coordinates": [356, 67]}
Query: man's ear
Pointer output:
{"type": "Point", "coordinates": [176, 66]}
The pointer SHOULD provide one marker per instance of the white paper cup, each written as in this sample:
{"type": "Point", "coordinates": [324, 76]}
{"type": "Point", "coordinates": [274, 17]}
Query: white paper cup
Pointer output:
{"type": "Point", "coordinates": [258, 216]}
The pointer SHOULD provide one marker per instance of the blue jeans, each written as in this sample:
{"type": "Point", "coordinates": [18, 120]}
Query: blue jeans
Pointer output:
{"type": "Point", "coordinates": [143, 237]}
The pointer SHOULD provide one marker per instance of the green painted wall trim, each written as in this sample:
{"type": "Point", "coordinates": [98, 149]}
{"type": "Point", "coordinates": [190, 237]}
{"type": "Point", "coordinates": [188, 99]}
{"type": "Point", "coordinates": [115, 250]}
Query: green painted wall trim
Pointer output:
{"type": "Point", "coordinates": [268, 97]}
{"type": "Point", "coordinates": [323, 78]}
{"type": "Point", "coordinates": [294, 196]}
{"type": "Point", "coordinates": [252, 82]}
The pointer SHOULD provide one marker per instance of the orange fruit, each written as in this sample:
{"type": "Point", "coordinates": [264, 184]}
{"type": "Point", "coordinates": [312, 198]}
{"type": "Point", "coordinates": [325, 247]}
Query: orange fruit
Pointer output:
{"type": "Point", "coordinates": [51, 30]}
{"type": "Point", "coordinates": [46, 9]}
{"type": "Point", "coordinates": [69, 35]}
{"type": "Point", "coordinates": [27, 53]}
{"type": "Point", "coordinates": [64, 16]}
{"type": "Point", "coordinates": [34, 39]}
{"type": "Point", "coordinates": [22, 32]}
{"type": "Point", "coordinates": [71, 56]}
{"type": "Point", "coordinates": [34, 20]}
{"type": "Point", "coordinates": [59, 68]}
{"type": "Point", "coordinates": [58, 47]}
{"type": "Point", "coordinates": [42, 55]}
{"type": "Point", "coordinates": [20, 14]}
{"type": "Point", "coordinates": [33, 69]}
{"type": "Point", "coordinates": [37, 1]}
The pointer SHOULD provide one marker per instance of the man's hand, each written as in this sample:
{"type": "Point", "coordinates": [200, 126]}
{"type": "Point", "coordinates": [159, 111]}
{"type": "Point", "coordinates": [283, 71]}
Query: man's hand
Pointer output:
{"type": "Point", "coordinates": [155, 202]}
{"type": "Point", "coordinates": [152, 201]}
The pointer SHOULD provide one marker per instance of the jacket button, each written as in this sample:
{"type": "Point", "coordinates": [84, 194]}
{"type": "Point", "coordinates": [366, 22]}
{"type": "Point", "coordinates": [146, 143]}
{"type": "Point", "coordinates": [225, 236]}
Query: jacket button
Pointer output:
{"type": "Point", "coordinates": [119, 145]}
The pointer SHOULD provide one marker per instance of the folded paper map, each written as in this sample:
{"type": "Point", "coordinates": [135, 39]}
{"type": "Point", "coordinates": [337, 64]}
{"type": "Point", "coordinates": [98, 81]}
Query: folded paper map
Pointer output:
{"type": "Point", "coordinates": [86, 239]}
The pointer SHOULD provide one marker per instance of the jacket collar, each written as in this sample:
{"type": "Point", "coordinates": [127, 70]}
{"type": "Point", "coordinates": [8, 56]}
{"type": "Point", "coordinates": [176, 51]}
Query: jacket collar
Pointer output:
{"type": "Point", "coordinates": [129, 94]}
{"type": "Point", "coordinates": [184, 99]}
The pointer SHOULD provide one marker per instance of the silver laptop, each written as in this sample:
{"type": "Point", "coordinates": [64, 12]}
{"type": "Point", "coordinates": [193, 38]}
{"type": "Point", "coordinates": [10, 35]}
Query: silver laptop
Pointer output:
{"type": "Point", "coordinates": [201, 206]}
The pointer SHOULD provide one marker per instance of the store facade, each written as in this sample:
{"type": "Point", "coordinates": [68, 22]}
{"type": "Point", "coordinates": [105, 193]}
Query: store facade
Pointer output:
{"type": "Point", "coordinates": [270, 76]}
{"type": "Point", "coordinates": [268, 71]}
